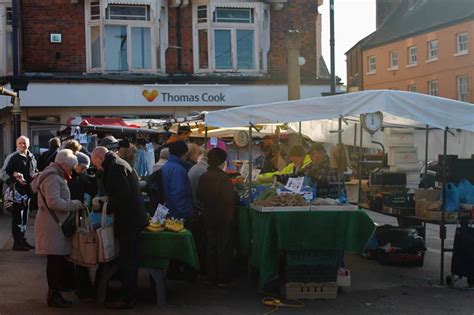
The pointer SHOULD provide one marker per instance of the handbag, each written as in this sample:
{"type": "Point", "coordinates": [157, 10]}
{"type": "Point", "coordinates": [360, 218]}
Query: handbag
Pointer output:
{"type": "Point", "coordinates": [107, 247]}
{"type": "Point", "coordinates": [84, 243]}
{"type": "Point", "coordinates": [68, 226]}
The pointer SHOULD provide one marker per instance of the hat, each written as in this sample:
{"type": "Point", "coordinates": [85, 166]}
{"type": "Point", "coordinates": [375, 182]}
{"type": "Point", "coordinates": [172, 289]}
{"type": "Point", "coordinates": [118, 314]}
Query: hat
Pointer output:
{"type": "Point", "coordinates": [216, 157]}
{"type": "Point", "coordinates": [83, 159]}
{"type": "Point", "coordinates": [109, 142]}
{"type": "Point", "coordinates": [184, 129]}
{"type": "Point", "coordinates": [317, 147]}
{"type": "Point", "coordinates": [178, 148]}
{"type": "Point", "coordinates": [297, 150]}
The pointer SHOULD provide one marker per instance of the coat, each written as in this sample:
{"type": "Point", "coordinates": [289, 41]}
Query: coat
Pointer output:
{"type": "Point", "coordinates": [125, 197]}
{"type": "Point", "coordinates": [24, 164]}
{"type": "Point", "coordinates": [216, 194]}
{"type": "Point", "coordinates": [49, 237]}
{"type": "Point", "coordinates": [195, 173]}
{"type": "Point", "coordinates": [177, 188]}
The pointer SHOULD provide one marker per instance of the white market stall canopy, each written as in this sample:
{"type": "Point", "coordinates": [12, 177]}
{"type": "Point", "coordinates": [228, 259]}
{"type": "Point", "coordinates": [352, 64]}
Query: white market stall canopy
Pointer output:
{"type": "Point", "coordinates": [399, 107]}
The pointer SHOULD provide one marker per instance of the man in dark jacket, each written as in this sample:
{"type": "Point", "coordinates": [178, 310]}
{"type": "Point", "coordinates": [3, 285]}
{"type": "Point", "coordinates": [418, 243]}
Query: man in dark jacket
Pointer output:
{"type": "Point", "coordinates": [216, 194]}
{"type": "Point", "coordinates": [176, 184]}
{"type": "Point", "coordinates": [48, 156]}
{"type": "Point", "coordinates": [20, 170]}
{"type": "Point", "coordinates": [125, 202]}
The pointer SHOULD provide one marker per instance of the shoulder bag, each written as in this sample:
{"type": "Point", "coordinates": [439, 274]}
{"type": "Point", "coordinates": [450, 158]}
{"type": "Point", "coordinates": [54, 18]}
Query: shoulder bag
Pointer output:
{"type": "Point", "coordinates": [68, 226]}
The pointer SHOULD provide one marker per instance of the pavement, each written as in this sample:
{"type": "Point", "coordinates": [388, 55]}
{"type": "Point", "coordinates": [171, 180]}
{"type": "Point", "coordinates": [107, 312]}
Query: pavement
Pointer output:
{"type": "Point", "coordinates": [375, 289]}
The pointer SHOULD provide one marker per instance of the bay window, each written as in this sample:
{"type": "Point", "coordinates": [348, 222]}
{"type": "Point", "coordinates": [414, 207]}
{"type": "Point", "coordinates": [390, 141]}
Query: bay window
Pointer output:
{"type": "Point", "coordinates": [230, 36]}
{"type": "Point", "coordinates": [126, 35]}
{"type": "Point", "coordinates": [6, 45]}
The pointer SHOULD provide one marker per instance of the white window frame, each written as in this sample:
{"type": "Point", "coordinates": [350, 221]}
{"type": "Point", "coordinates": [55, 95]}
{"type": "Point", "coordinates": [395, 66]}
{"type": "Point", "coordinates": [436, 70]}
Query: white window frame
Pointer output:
{"type": "Point", "coordinates": [260, 26]}
{"type": "Point", "coordinates": [459, 50]}
{"type": "Point", "coordinates": [432, 57]}
{"type": "Point", "coordinates": [462, 88]}
{"type": "Point", "coordinates": [412, 51]}
{"type": "Point", "coordinates": [4, 29]}
{"type": "Point", "coordinates": [433, 87]}
{"type": "Point", "coordinates": [371, 66]}
{"type": "Point", "coordinates": [158, 24]}
{"type": "Point", "coordinates": [393, 55]}
{"type": "Point", "coordinates": [412, 88]}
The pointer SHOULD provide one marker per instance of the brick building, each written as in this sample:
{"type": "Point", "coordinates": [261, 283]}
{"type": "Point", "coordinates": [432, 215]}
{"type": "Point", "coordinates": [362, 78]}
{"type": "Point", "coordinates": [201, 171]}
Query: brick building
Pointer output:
{"type": "Point", "coordinates": [424, 46]}
{"type": "Point", "coordinates": [155, 58]}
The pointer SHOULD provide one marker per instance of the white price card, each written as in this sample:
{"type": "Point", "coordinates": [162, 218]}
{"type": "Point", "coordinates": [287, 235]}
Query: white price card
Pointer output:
{"type": "Point", "coordinates": [295, 184]}
{"type": "Point", "coordinates": [83, 138]}
{"type": "Point", "coordinates": [255, 173]}
{"type": "Point", "coordinates": [160, 214]}
{"type": "Point", "coordinates": [149, 147]}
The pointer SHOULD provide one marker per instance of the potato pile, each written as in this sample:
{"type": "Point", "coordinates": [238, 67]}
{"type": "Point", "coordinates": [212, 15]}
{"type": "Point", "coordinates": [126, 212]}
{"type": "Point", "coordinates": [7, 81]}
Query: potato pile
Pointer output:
{"type": "Point", "coordinates": [289, 200]}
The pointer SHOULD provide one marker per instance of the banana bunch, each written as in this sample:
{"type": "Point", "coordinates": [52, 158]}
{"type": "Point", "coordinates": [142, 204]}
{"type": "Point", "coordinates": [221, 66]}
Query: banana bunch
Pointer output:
{"type": "Point", "coordinates": [155, 227]}
{"type": "Point", "coordinates": [174, 225]}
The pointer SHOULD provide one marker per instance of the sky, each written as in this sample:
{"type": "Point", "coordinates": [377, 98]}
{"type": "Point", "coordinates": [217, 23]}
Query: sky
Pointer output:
{"type": "Point", "coordinates": [353, 20]}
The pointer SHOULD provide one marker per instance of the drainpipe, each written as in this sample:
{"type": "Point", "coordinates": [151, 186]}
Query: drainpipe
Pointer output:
{"type": "Point", "coordinates": [16, 109]}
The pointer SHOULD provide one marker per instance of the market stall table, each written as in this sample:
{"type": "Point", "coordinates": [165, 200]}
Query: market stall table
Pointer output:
{"type": "Point", "coordinates": [311, 230]}
{"type": "Point", "coordinates": [157, 249]}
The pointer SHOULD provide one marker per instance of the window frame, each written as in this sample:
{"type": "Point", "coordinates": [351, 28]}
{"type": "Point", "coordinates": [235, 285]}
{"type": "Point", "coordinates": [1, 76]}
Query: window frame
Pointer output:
{"type": "Point", "coordinates": [392, 66]}
{"type": "Point", "coordinates": [370, 69]}
{"type": "Point", "coordinates": [410, 62]}
{"type": "Point", "coordinates": [258, 26]}
{"type": "Point", "coordinates": [458, 50]}
{"type": "Point", "coordinates": [430, 90]}
{"type": "Point", "coordinates": [466, 92]}
{"type": "Point", "coordinates": [412, 88]}
{"type": "Point", "coordinates": [157, 27]}
{"type": "Point", "coordinates": [4, 30]}
{"type": "Point", "coordinates": [429, 56]}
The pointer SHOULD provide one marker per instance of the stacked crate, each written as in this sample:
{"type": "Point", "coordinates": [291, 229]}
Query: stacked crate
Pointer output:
{"type": "Point", "coordinates": [311, 274]}
{"type": "Point", "coordinates": [402, 154]}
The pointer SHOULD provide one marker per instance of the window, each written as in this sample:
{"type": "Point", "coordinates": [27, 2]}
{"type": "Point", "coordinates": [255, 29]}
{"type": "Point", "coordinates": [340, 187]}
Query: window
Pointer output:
{"type": "Point", "coordinates": [230, 38]}
{"type": "Point", "coordinates": [394, 59]}
{"type": "Point", "coordinates": [432, 50]}
{"type": "Point", "coordinates": [461, 43]}
{"type": "Point", "coordinates": [6, 44]}
{"type": "Point", "coordinates": [372, 67]}
{"type": "Point", "coordinates": [433, 88]}
{"type": "Point", "coordinates": [123, 37]}
{"type": "Point", "coordinates": [412, 88]}
{"type": "Point", "coordinates": [412, 56]}
{"type": "Point", "coordinates": [462, 86]}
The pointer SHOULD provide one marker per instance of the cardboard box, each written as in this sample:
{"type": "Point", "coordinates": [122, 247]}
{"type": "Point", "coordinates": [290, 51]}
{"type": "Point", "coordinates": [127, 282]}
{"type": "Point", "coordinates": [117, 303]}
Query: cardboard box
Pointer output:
{"type": "Point", "coordinates": [430, 210]}
{"type": "Point", "coordinates": [344, 281]}
{"type": "Point", "coordinates": [428, 194]}
{"type": "Point", "coordinates": [400, 140]}
{"type": "Point", "coordinates": [352, 189]}
{"type": "Point", "coordinates": [310, 291]}
{"type": "Point", "coordinates": [402, 155]}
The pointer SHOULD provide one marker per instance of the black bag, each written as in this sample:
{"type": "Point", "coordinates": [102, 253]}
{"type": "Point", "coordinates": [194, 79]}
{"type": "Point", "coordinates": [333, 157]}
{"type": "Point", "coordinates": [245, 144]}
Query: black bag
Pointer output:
{"type": "Point", "coordinates": [154, 188]}
{"type": "Point", "coordinates": [68, 226]}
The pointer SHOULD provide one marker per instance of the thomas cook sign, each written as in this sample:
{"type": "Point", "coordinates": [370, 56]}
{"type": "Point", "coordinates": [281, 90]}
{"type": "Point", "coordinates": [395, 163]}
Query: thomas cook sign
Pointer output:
{"type": "Point", "coordinates": [187, 94]}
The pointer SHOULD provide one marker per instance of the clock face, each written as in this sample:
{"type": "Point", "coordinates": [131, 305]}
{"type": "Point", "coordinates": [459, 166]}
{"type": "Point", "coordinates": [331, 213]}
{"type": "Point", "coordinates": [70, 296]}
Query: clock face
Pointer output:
{"type": "Point", "coordinates": [372, 122]}
{"type": "Point", "coordinates": [241, 138]}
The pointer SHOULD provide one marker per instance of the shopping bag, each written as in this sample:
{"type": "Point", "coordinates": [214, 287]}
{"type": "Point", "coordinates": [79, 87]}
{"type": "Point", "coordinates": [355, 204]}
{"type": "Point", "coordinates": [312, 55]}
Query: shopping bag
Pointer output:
{"type": "Point", "coordinates": [452, 197]}
{"type": "Point", "coordinates": [107, 246]}
{"type": "Point", "coordinates": [465, 188]}
{"type": "Point", "coordinates": [84, 243]}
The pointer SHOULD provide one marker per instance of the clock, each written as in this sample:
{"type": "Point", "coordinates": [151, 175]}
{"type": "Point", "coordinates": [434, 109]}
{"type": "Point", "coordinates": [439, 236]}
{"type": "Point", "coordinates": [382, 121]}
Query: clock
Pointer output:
{"type": "Point", "coordinates": [241, 138]}
{"type": "Point", "coordinates": [372, 122]}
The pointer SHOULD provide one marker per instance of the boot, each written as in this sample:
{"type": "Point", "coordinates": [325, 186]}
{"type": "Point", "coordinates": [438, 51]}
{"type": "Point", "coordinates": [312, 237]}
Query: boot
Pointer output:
{"type": "Point", "coordinates": [55, 299]}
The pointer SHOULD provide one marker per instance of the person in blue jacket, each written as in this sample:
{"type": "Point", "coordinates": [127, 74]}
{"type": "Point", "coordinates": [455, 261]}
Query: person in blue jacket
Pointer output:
{"type": "Point", "coordinates": [176, 185]}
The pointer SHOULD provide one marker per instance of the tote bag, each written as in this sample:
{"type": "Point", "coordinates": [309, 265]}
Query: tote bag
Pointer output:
{"type": "Point", "coordinates": [84, 243]}
{"type": "Point", "coordinates": [107, 246]}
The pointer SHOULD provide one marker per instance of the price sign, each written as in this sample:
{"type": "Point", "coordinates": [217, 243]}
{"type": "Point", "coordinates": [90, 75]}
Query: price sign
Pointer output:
{"type": "Point", "coordinates": [160, 214]}
{"type": "Point", "coordinates": [295, 184]}
{"type": "Point", "coordinates": [83, 138]}
{"type": "Point", "coordinates": [213, 142]}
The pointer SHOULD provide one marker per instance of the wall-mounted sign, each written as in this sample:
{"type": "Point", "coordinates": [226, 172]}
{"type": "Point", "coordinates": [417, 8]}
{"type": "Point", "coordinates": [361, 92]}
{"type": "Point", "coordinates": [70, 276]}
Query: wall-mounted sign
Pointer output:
{"type": "Point", "coordinates": [186, 94]}
{"type": "Point", "coordinates": [55, 38]}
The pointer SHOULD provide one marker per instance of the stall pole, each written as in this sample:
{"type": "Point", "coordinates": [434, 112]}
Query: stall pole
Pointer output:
{"type": "Point", "coordinates": [340, 177]}
{"type": "Point", "coordinates": [442, 228]}
{"type": "Point", "coordinates": [332, 46]}
{"type": "Point", "coordinates": [250, 166]}
{"type": "Point", "coordinates": [293, 45]}
{"type": "Point", "coordinates": [426, 149]}
{"type": "Point", "coordinates": [205, 137]}
{"type": "Point", "coordinates": [359, 165]}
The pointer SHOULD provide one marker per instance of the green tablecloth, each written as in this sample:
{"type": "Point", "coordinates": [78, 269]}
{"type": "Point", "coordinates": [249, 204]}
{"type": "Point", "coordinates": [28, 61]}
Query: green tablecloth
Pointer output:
{"type": "Point", "coordinates": [312, 230]}
{"type": "Point", "coordinates": [245, 230]}
{"type": "Point", "coordinates": [157, 249]}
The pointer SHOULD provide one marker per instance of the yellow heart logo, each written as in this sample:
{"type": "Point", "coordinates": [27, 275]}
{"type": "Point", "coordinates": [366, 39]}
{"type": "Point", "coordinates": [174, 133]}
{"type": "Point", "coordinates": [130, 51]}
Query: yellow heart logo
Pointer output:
{"type": "Point", "coordinates": [150, 96]}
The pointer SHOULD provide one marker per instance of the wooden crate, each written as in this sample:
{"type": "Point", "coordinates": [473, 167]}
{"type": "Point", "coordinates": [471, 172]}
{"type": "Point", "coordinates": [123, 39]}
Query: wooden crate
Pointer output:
{"type": "Point", "coordinates": [310, 291]}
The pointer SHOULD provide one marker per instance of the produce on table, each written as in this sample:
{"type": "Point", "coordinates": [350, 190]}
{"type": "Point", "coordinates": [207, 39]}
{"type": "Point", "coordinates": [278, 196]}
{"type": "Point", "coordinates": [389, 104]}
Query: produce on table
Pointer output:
{"type": "Point", "coordinates": [173, 225]}
{"type": "Point", "coordinates": [289, 200]}
{"type": "Point", "coordinates": [155, 227]}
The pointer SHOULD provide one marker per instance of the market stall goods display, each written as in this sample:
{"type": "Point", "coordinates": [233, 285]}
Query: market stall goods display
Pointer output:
{"type": "Point", "coordinates": [289, 200]}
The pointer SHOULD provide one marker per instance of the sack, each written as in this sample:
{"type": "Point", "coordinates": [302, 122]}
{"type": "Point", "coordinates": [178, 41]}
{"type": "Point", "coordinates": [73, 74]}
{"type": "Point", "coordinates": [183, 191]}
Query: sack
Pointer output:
{"type": "Point", "coordinates": [107, 249]}
{"type": "Point", "coordinates": [84, 243]}
{"type": "Point", "coordinates": [154, 188]}
{"type": "Point", "coordinates": [452, 198]}
{"type": "Point", "coordinates": [69, 225]}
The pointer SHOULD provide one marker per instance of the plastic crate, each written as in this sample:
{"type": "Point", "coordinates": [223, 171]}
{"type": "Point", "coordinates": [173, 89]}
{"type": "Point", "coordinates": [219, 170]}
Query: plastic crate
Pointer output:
{"type": "Point", "coordinates": [321, 273]}
{"type": "Point", "coordinates": [394, 200]}
{"type": "Point", "coordinates": [308, 257]}
{"type": "Point", "coordinates": [310, 291]}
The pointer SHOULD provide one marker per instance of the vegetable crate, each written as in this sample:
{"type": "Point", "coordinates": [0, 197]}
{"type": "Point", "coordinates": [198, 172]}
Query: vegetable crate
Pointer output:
{"type": "Point", "coordinates": [303, 273]}
{"type": "Point", "coordinates": [310, 291]}
{"type": "Point", "coordinates": [312, 257]}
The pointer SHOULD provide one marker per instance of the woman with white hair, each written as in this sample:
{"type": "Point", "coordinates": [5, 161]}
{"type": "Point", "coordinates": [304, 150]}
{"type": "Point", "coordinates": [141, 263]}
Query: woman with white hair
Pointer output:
{"type": "Point", "coordinates": [54, 198]}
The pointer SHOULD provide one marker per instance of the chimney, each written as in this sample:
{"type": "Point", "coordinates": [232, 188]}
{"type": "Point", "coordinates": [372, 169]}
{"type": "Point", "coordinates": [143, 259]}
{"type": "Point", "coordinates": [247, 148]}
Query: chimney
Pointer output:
{"type": "Point", "coordinates": [384, 9]}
